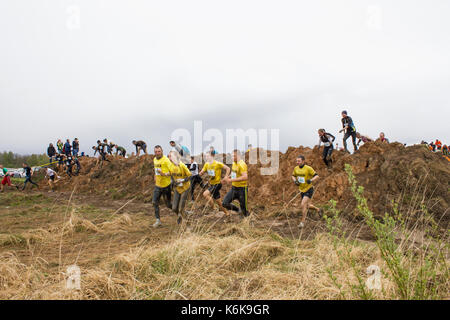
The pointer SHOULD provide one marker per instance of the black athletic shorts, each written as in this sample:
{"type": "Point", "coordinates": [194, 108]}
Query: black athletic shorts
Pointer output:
{"type": "Point", "coordinates": [52, 178]}
{"type": "Point", "coordinates": [215, 190]}
{"type": "Point", "coordinates": [308, 193]}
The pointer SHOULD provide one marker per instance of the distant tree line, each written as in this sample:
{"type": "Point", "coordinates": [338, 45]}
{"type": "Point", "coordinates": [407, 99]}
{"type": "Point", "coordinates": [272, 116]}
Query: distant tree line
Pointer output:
{"type": "Point", "coordinates": [14, 160]}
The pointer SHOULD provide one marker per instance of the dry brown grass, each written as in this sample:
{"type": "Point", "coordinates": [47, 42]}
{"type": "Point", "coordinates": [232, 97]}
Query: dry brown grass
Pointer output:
{"type": "Point", "coordinates": [194, 266]}
{"type": "Point", "coordinates": [122, 258]}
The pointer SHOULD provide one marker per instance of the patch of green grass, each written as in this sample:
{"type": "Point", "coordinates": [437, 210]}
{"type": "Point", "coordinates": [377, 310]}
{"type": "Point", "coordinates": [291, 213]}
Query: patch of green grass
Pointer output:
{"type": "Point", "coordinates": [162, 265]}
{"type": "Point", "coordinates": [11, 239]}
{"type": "Point", "coordinates": [15, 199]}
{"type": "Point", "coordinates": [284, 241]}
{"type": "Point", "coordinates": [18, 181]}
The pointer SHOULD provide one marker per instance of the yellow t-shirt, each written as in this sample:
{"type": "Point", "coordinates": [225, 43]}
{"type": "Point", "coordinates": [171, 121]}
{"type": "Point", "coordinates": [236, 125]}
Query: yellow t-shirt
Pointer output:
{"type": "Point", "coordinates": [214, 171]}
{"type": "Point", "coordinates": [180, 172]}
{"type": "Point", "coordinates": [302, 175]}
{"type": "Point", "coordinates": [164, 164]}
{"type": "Point", "coordinates": [236, 171]}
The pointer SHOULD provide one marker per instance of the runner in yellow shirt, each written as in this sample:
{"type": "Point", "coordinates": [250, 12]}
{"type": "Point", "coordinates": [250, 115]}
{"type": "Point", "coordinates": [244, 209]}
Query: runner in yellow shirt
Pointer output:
{"type": "Point", "coordinates": [303, 175]}
{"type": "Point", "coordinates": [214, 170]}
{"type": "Point", "coordinates": [239, 185]}
{"type": "Point", "coordinates": [162, 182]}
{"type": "Point", "coordinates": [181, 177]}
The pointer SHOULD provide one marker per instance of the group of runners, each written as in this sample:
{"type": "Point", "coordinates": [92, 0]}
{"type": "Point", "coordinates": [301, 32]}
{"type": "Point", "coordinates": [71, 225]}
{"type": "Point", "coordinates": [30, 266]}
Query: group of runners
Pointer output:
{"type": "Point", "coordinates": [172, 174]}
{"type": "Point", "coordinates": [178, 174]}
{"type": "Point", "coordinates": [104, 148]}
{"type": "Point", "coordinates": [175, 182]}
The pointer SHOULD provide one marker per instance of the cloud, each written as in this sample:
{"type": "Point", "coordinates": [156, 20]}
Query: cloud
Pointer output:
{"type": "Point", "coordinates": [142, 69]}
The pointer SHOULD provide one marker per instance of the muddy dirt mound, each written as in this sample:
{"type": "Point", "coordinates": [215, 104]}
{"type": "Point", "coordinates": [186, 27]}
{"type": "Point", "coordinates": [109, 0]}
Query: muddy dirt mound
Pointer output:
{"type": "Point", "coordinates": [413, 177]}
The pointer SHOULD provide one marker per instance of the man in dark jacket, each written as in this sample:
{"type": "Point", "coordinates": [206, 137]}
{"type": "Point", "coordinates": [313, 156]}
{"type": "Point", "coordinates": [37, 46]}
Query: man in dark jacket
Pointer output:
{"type": "Point", "coordinates": [51, 152]}
{"type": "Point", "coordinates": [75, 147]}
{"type": "Point", "coordinates": [67, 148]}
{"type": "Point", "coordinates": [327, 139]}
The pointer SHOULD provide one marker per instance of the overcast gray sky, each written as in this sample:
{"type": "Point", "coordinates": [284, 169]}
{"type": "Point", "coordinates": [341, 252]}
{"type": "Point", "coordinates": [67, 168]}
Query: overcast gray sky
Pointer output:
{"type": "Point", "coordinates": [140, 69]}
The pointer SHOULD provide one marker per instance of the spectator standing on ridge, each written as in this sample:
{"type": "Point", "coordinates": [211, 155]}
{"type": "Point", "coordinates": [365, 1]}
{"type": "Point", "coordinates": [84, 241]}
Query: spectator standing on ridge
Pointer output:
{"type": "Point", "coordinates": [59, 146]}
{"type": "Point", "coordinates": [75, 147]}
{"type": "Point", "coordinates": [51, 152]}
{"type": "Point", "coordinates": [67, 148]}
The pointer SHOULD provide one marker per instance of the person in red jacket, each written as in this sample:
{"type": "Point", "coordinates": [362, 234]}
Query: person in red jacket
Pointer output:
{"type": "Point", "coordinates": [438, 144]}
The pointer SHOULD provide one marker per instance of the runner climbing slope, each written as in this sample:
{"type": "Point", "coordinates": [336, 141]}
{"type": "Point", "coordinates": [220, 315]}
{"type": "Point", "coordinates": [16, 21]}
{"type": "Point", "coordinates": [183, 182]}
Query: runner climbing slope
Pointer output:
{"type": "Point", "coordinates": [69, 165]}
{"type": "Point", "coordinates": [120, 150]}
{"type": "Point", "coordinates": [303, 176]}
{"type": "Point", "coordinates": [100, 148]}
{"type": "Point", "coordinates": [362, 138]}
{"type": "Point", "coordinates": [60, 159]}
{"type": "Point", "coordinates": [140, 145]}
{"type": "Point", "coordinates": [50, 175]}
{"type": "Point", "coordinates": [349, 130]}
{"type": "Point", "coordinates": [327, 139]}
